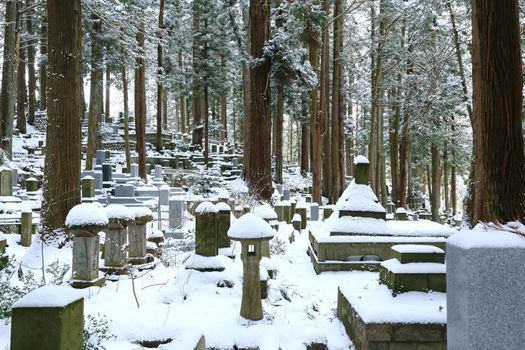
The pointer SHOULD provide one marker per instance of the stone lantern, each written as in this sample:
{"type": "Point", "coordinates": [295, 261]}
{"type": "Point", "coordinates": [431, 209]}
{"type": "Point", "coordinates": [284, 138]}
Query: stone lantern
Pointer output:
{"type": "Point", "coordinates": [119, 217]}
{"type": "Point", "coordinates": [137, 235]}
{"type": "Point", "coordinates": [85, 221]}
{"type": "Point", "coordinates": [251, 231]}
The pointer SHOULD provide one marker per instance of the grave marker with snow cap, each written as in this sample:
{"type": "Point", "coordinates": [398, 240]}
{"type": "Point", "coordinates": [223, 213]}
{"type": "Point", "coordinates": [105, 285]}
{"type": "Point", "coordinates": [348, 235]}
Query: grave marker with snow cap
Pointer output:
{"type": "Point", "coordinates": [223, 225]}
{"type": "Point", "coordinates": [88, 187]}
{"type": "Point", "coordinates": [251, 231]}
{"type": "Point", "coordinates": [26, 226]}
{"type": "Point", "coordinates": [314, 211]}
{"type": "Point", "coordinates": [284, 211]}
{"type": "Point", "coordinates": [119, 217]}
{"type": "Point", "coordinates": [300, 209]}
{"type": "Point", "coordinates": [85, 221]}
{"type": "Point", "coordinates": [51, 317]}
{"type": "Point", "coordinates": [6, 182]}
{"type": "Point", "coordinates": [361, 170]}
{"type": "Point", "coordinates": [137, 235]}
{"type": "Point", "coordinates": [31, 184]}
{"type": "Point", "coordinates": [206, 229]}
{"type": "Point", "coordinates": [238, 211]}
{"type": "Point", "coordinates": [401, 214]}
{"type": "Point", "coordinates": [101, 157]}
{"type": "Point", "coordinates": [176, 212]}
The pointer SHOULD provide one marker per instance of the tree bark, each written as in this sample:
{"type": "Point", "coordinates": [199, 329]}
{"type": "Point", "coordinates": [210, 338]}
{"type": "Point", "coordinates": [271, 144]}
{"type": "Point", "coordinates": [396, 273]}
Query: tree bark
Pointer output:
{"type": "Point", "coordinates": [259, 176]}
{"type": "Point", "coordinates": [140, 101]}
{"type": "Point", "coordinates": [160, 74]}
{"type": "Point", "coordinates": [42, 67]}
{"type": "Point", "coordinates": [61, 189]}
{"type": "Point", "coordinates": [197, 114]}
{"type": "Point", "coordinates": [31, 65]}
{"type": "Point", "coordinates": [107, 100]}
{"type": "Point", "coordinates": [315, 125]}
{"type": "Point", "coordinates": [305, 135]}
{"type": "Point", "coordinates": [324, 119]}
{"type": "Point", "coordinates": [95, 92]}
{"type": "Point", "coordinates": [278, 135]}
{"type": "Point", "coordinates": [21, 90]}
{"type": "Point", "coordinates": [124, 77]}
{"type": "Point", "coordinates": [435, 197]}
{"type": "Point", "coordinates": [224, 121]}
{"type": "Point", "coordinates": [8, 93]}
{"type": "Point", "coordinates": [497, 85]}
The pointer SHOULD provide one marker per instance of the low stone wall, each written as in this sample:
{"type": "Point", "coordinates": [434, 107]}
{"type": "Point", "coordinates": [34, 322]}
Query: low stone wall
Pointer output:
{"type": "Point", "coordinates": [389, 336]}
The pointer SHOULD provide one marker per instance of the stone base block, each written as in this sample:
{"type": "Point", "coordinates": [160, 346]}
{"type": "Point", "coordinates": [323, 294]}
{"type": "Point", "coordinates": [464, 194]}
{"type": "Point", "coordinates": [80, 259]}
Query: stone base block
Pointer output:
{"type": "Point", "coordinates": [79, 284]}
{"type": "Point", "coordinates": [115, 270]}
{"type": "Point", "coordinates": [389, 336]}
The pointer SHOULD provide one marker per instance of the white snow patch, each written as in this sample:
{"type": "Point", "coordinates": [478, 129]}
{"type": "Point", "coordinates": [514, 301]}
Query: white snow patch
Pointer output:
{"type": "Point", "coordinates": [265, 212]}
{"type": "Point", "coordinates": [86, 214]}
{"type": "Point", "coordinates": [49, 296]}
{"type": "Point", "coordinates": [206, 207]}
{"type": "Point", "coordinates": [250, 226]}
{"type": "Point", "coordinates": [511, 235]}
{"type": "Point", "coordinates": [417, 248]}
{"type": "Point", "coordinates": [221, 206]}
{"type": "Point", "coordinates": [119, 212]}
{"type": "Point", "coordinates": [360, 159]}
{"type": "Point", "coordinates": [418, 267]}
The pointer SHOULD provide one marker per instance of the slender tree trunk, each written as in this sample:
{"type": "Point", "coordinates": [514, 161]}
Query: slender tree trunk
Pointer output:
{"type": "Point", "coordinates": [315, 125]}
{"type": "Point", "coordinates": [8, 93]}
{"type": "Point", "coordinates": [335, 189]}
{"type": "Point", "coordinates": [246, 127]}
{"type": "Point", "coordinates": [124, 77]}
{"type": "Point", "coordinates": [304, 139]}
{"type": "Point", "coordinates": [95, 92]}
{"type": "Point", "coordinates": [206, 125]}
{"type": "Point", "coordinates": [453, 195]}
{"type": "Point", "coordinates": [499, 170]}
{"type": "Point", "coordinates": [160, 74]}
{"type": "Point", "coordinates": [394, 146]}
{"type": "Point", "coordinates": [21, 90]}
{"type": "Point", "coordinates": [107, 100]}
{"type": "Point", "coordinates": [324, 118]}
{"type": "Point", "coordinates": [31, 65]}
{"type": "Point", "coordinates": [435, 198]}
{"type": "Point", "coordinates": [182, 99]}
{"type": "Point", "coordinates": [140, 101]}
{"type": "Point", "coordinates": [197, 113]}
{"type": "Point", "coordinates": [224, 121]}
{"type": "Point", "coordinates": [445, 179]}
{"type": "Point", "coordinates": [61, 189]}
{"type": "Point", "coordinates": [259, 176]}
{"type": "Point", "coordinates": [278, 136]}
{"type": "Point", "coordinates": [42, 66]}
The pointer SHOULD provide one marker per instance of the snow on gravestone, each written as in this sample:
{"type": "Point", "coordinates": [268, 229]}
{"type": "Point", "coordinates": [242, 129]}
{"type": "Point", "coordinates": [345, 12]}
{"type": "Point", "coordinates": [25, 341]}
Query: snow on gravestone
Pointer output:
{"type": "Point", "coordinates": [206, 229]}
{"type": "Point", "coordinates": [50, 317]}
{"type": "Point", "coordinates": [119, 217]}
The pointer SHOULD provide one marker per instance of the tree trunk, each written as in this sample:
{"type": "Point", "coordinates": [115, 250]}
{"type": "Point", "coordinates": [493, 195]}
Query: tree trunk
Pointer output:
{"type": "Point", "coordinates": [160, 74]}
{"type": "Point", "coordinates": [124, 77]}
{"type": "Point", "coordinates": [335, 188]}
{"type": "Point", "coordinates": [278, 136]}
{"type": "Point", "coordinates": [394, 146]}
{"type": "Point", "coordinates": [61, 189]}
{"type": "Point", "coordinates": [324, 119]}
{"type": "Point", "coordinates": [259, 176]}
{"type": "Point", "coordinates": [42, 66]}
{"type": "Point", "coordinates": [140, 101]}
{"type": "Point", "coordinates": [435, 198]}
{"type": "Point", "coordinates": [246, 99]}
{"type": "Point", "coordinates": [197, 114]}
{"type": "Point", "coordinates": [21, 90]}
{"type": "Point", "coordinates": [224, 122]}
{"type": "Point", "coordinates": [315, 125]}
{"type": "Point", "coordinates": [453, 195]}
{"type": "Point", "coordinates": [304, 143]}
{"type": "Point", "coordinates": [31, 65]}
{"type": "Point", "coordinates": [8, 93]}
{"type": "Point", "coordinates": [182, 99]}
{"type": "Point", "coordinates": [107, 100]}
{"type": "Point", "coordinates": [95, 92]}
{"type": "Point", "coordinates": [445, 179]}
{"type": "Point", "coordinates": [497, 85]}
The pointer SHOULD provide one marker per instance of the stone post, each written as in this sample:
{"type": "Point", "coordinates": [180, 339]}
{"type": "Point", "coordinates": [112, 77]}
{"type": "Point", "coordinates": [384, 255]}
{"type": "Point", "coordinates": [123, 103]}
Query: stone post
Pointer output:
{"type": "Point", "coordinates": [283, 210]}
{"type": "Point", "coordinates": [158, 172]}
{"type": "Point", "coordinates": [86, 243]}
{"type": "Point", "coordinates": [361, 170]}
{"type": "Point", "coordinates": [296, 222]}
{"type": "Point", "coordinates": [31, 184]}
{"type": "Point", "coordinates": [97, 174]}
{"type": "Point", "coordinates": [6, 182]}
{"type": "Point", "coordinates": [176, 212]}
{"type": "Point", "coordinates": [314, 212]}
{"type": "Point", "coordinates": [301, 210]}
{"type": "Point", "coordinates": [101, 157]}
{"type": "Point", "coordinates": [164, 195]}
{"type": "Point", "coordinates": [88, 187]}
{"type": "Point", "coordinates": [206, 229]}
{"type": "Point", "coordinates": [137, 235]}
{"type": "Point", "coordinates": [286, 194]}
{"type": "Point", "coordinates": [134, 170]}
{"type": "Point", "coordinates": [116, 238]}
{"type": "Point", "coordinates": [107, 172]}
{"type": "Point", "coordinates": [41, 320]}
{"type": "Point", "coordinates": [251, 305]}
{"type": "Point", "coordinates": [26, 227]}
{"type": "Point", "coordinates": [223, 225]}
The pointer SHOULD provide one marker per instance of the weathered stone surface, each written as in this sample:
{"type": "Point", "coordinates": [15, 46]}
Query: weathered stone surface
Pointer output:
{"type": "Point", "coordinates": [485, 289]}
{"type": "Point", "coordinates": [223, 225]}
{"type": "Point", "coordinates": [206, 234]}
{"type": "Point", "coordinates": [6, 182]}
{"type": "Point", "coordinates": [48, 328]}
{"type": "Point", "coordinates": [26, 228]}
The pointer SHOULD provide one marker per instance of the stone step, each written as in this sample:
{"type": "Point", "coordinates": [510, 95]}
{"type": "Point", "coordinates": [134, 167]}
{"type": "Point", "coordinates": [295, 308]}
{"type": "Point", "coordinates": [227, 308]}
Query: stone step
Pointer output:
{"type": "Point", "coordinates": [418, 253]}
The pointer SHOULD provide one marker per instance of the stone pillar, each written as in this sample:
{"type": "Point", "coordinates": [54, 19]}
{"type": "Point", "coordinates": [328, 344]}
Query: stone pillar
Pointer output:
{"type": "Point", "coordinates": [115, 255]}
{"type": "Point", "coordinates": [158, 172]}
{"type": "Point", "coordinates": [251, 305]}
{"type": "Point", "coordinates": [176, 212]}
{"type": "Point", "coordinates": [301, 210]}
{"type": "Point", "coordinates": [286, 194]}
{"type": "Point", "coordinates": [206, 229]}
{"type": "Point", "coordinates": [88, 187]}
{"type": "Point", "coordinates": [238, 211]}
{"type": "Point", "coordinates": [101, 157]}
{"type": "Point", "coordinates": [6, 182]}
{"type": "Point", "coordinates": [137, 235]}
{"type": "Point", "coordinates": [223, 225]}
{"type": "Point", "coordinates": [31, 184]}
{"type": "Point", "coordinates": [26, 228]}
{"type": "Point", "coordinates": [43, 321]}
{"type": "Point", "coordinates": [97, 174]}
{"type": "Point", "coordinates": [314, 212]}
{"type": "Point", "coordinates": [164, 195]}
{"type": "Point", "coordinates": [107, 172]}
{"type": "Point", "coordinates": [134, 170]}
{"type": "Point", "coordinates": [361, 170]}
{"type": "Point", "coordinates": [296, 221]}
{"type": "Point", "coordinates": [283, 210]}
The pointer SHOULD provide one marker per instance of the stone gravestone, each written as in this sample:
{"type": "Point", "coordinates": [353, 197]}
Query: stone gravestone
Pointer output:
{"type": "Point", "coordinates": [314, 212]}
{"type": "Point", "coordinates": [361, 170]}
{"type": "Point", "coordinates": [206, 229]}
{"type": "Point", "coordinates": [86, 243]}
{"type": "Point", "coordinates": [286, 194]}
{"type": "Point", "coordinates": [51, 317]}
{"type": "Point", "coordinates": [26, 227]}
{"type": "Point", "coordinates": [101, 157]}
{"type": "Point", "coordinates": [97, 174]}
{"type": "Point", "coordinates": [176, 212]}
{"type": "Point", "coordinates": [223, 225]}
{"type": "Point", "coordinates": [251, 240]}
{"type": "Point", "coordinates": [124, 191]}
{"type": "Point", "coordinates": [31, 184]}
{"type": "Point", "coordinates": [134, 170]}
{"type": "Point", "coordinates": [119, 217]}
{"type": "Point", "coordinates": [164, 195]}
{"type": "Point", "coordinates": [137, 235]}
{"type": "Point", "coordinates": [107, 172]}
{"type": "Point", "coordinates": [6, 182]}
{"type": "Point", "coordinates": [88, 187]}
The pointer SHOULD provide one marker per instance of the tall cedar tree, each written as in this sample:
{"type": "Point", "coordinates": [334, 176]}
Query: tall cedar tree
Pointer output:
{"type": "Point", "coordinates": [497, 86]}
{"type": "Point", "coordinates": [160, 72]}
{"type": "Point", "coordinates": [140, 101]}
{"type": "Point", "coordinates": [62, 164]}
{"type": "Point", "coordinates": [258, 175]}
{"type": "Point", "coordinates": [196, 52]}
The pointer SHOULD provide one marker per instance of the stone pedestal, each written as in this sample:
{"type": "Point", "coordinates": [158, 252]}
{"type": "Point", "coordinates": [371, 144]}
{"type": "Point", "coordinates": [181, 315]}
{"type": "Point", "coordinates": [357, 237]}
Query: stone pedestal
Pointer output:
{"type": "Point", "coordinates": [286, 194]}
{"type": "Point", "coordinates": [206, 233]}
{"type": "Point", "coordinates": [223, 225]}
{"type": "Point", "coordinates": [164, 195]}
{"type": "Point", "coordinates": [43, 321]}
{"type": "Point", "coordinates": [301, 210]}
{"type": "Point", "coordinates": [26, 228]}
{"type": "Point", "coordinates": [361, 170]}
{"type": "Point", "coordinates": [485, 289]}
{"type": "Point", "coordinates": [176, 212]}
{"type": "Point", "coordinates": [283, 210]}
{"type": "Point", "coordinates": [86, 252]}
{"type": "Point", "coordinates": [114, 253]}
